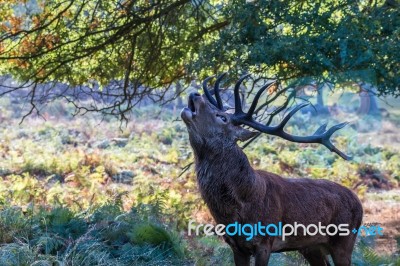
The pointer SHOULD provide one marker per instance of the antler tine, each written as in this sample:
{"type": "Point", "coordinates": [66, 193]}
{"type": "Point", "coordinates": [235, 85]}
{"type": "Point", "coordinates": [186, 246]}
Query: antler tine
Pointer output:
{"type": "Point", "coordinates": [321, 129]}
{"type": "Point", "coordinates": [325, 139]}
{"type": "Point", "coordinates": [284, 121]}
{"type": "Point", "coordinates": [257, 97]}
{"type": "Point", "coordinates": [272, 130]}
{"type": "Point", "coordinates": [207, 92]}
{"type": "Point", "coordinates": [238, 101]}
{"type": "Point", "coordinates": [216, 91]}
{"type": "Point", "coordinates": [321, 135]}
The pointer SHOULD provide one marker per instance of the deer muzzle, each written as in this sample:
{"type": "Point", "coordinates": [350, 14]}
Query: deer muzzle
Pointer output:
{"type": "Point", "coordinates": [189, 112]}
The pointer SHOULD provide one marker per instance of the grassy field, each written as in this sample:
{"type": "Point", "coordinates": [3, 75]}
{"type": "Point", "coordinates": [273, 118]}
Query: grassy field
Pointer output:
{"type": "Point", "coordinates": [86, 191]}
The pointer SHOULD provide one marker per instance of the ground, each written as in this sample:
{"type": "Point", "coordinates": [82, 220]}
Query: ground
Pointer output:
{"type": "Point", "coordinates": [84, 163]}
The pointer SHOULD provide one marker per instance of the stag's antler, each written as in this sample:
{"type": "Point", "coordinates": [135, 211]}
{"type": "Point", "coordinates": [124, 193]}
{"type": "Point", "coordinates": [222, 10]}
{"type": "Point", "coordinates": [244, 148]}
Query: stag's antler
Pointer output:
{"type": "Point", "coordinates": [218, 102]}
{"type": "Point", "coordinates": [321, 135]}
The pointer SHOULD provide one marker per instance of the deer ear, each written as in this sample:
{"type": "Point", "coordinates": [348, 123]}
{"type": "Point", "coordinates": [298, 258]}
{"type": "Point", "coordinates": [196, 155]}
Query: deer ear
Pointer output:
{"type": "Point", "coordinates": [243, 134]}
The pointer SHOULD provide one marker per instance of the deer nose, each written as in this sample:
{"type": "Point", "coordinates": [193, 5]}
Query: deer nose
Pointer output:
{"type": "Point", "coordinates": [194, 95]}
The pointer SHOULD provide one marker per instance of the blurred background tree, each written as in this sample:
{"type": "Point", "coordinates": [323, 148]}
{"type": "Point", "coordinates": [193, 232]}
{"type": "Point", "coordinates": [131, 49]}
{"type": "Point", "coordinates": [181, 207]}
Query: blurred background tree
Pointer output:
{"type": "Point", "coordinates": [129, 50]}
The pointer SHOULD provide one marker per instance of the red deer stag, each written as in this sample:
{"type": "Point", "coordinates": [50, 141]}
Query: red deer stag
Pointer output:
{"type": "Point", "coordinates": [235, 192]}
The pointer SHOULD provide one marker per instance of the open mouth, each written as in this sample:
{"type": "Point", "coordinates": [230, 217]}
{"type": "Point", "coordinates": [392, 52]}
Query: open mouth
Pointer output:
{"type": "Point", "coordinates": [191, 106]}
{"type": "Point", "coordinates": [190, 112]}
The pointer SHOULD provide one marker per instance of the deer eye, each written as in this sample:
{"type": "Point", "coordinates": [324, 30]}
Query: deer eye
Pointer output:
{"type": "Point", "coordinates": [223, 118]}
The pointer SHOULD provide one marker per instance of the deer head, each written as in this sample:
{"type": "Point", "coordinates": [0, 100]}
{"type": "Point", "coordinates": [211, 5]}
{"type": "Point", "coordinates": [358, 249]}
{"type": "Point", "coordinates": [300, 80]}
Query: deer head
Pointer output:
{"type": "Point", "coordinates": [211, 127]}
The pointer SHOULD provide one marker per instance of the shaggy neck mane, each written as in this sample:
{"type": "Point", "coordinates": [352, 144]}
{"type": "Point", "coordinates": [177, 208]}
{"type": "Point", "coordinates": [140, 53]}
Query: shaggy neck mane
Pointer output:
{"type": "Point", "coordinates": [225, 178]}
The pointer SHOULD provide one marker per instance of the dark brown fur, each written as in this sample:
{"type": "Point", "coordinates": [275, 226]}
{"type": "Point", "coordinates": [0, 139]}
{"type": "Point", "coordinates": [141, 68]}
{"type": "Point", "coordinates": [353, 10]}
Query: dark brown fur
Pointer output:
{"type": "Point", "coordinates": [235, 192]}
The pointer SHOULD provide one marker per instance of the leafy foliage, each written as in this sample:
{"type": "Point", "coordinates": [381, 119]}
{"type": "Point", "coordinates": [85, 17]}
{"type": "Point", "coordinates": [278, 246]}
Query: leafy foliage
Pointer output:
{"type": "Point", "coordinates": [127, 51]}
{"type": "Point", "coordinates": [43, 236]}
{"type": "Point", "coordinates": [332, 41]}
{"type": "Point", "coordinates": [365, 255]}
{"type": "Point", "coordinates": [79, 41]}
